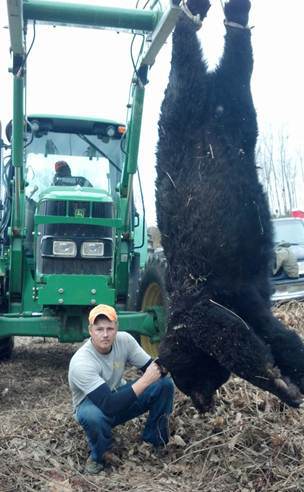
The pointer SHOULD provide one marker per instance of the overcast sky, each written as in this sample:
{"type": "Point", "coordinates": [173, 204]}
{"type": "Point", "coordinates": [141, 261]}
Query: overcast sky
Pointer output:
{"type": "Point", "coordinates": [87, 73]}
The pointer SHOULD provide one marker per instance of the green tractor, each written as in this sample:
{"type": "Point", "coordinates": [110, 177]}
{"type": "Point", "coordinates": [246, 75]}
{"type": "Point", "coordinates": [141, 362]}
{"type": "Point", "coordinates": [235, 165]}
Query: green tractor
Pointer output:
{"type": "Point", "coordinates": [71, 241]}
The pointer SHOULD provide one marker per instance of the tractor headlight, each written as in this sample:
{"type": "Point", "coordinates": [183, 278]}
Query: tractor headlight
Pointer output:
{"type": "Point", "coordinates": [92, 249]}
{"type": "Point", "coordinates": [64, 249]}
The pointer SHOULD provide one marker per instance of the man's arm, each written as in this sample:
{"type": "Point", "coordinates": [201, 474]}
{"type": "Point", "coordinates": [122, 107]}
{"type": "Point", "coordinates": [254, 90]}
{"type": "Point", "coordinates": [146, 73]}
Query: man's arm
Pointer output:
{"type": "Point", "coordinates": [136, 355]}
{"type": "Point", "coordinates": [143, 368]}
{"type": "Point", "coordinates": [112, 403]}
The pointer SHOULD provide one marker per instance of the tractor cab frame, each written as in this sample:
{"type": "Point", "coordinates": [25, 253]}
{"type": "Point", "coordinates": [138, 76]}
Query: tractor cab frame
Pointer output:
{"type": "Point", "coordinates": [70, 244]}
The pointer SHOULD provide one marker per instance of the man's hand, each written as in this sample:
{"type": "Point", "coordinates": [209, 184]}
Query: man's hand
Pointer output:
{"type": "Point", "coordinates": [152, 374]}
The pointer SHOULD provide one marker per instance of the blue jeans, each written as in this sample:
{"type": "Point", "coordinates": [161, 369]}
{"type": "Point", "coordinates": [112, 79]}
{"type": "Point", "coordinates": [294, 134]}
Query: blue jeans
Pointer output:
{"type": "Point", "coordinates": [157, 398]}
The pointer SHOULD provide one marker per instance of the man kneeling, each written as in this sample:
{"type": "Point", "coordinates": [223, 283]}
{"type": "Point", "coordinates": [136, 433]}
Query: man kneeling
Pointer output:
{"type": "Point", "coordinates": [102, 399]}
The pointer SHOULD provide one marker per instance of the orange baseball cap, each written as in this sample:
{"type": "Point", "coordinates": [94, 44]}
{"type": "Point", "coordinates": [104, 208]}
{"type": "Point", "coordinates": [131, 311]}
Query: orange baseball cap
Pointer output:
{"type": "Point", "coordinates": [107, 311]}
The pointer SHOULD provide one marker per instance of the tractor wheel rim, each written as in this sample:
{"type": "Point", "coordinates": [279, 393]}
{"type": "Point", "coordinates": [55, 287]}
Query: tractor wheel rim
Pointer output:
{"type": "Point", "coordinates": [152, 297]}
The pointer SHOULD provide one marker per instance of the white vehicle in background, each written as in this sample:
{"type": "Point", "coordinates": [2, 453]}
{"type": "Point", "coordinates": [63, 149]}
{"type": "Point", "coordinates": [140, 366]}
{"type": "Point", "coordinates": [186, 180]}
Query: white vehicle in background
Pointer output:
{"type": "Point", "coordinates": [289, 234]}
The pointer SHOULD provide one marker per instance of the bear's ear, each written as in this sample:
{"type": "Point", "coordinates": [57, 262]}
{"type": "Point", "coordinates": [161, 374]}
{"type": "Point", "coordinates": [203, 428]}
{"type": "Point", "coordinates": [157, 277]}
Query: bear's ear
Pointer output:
{"type": "Point", "coordinates": [237, 11]}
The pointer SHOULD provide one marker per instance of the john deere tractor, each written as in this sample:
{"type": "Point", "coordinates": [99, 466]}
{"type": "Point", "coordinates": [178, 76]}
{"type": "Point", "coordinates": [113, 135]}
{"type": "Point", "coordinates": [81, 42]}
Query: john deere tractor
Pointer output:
{"type": "Point", "coordinates": [68, 241]}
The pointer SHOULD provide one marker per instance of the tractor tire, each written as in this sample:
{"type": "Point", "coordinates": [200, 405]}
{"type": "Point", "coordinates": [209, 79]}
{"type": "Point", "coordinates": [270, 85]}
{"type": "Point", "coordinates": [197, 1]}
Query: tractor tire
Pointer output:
{"type": "Point", "coordinates": [134, 280]}
{"type": "Point", "coordinates": [133, 289]}
{"type": "Point", "coordinates": [152, 292]}
{"type": "Point", "coordinates": [6, 348]}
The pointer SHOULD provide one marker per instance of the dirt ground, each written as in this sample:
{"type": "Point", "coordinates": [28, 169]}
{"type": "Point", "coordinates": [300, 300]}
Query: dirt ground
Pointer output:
{"type": "Point", "coordinates": [250, 443]}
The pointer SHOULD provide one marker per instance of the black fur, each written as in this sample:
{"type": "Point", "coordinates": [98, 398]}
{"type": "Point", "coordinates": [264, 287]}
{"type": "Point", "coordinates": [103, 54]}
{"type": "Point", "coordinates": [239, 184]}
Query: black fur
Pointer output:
{"type": "Point", "coordinates": [215, 224]}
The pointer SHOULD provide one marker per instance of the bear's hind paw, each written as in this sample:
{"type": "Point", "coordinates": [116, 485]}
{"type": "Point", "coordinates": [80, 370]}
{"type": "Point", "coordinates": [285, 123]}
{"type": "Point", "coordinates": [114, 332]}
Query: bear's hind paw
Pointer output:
{"type": "Point", "coordinates": [199, 7]}
{"type": "Point", "coordinates": [237, 11]}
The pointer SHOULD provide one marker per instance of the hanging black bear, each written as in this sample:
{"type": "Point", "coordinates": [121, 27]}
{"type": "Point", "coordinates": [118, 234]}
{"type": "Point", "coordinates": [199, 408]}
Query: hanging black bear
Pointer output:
{"type": "Point", "coordinates": [215, 223]}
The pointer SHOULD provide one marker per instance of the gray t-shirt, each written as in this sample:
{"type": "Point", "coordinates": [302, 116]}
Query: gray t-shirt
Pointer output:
{"type": "Point", "coordinates": [89, 368]}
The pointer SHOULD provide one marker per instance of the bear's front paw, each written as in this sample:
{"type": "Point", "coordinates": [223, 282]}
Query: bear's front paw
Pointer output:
{"type": "Point", "coordinates": [237, 11]}
{"type": "Point", "coordinates": [202, 403]}
{"type": "Point", "coordinates": [284, 388]}
{"type": "Point", "coordinates": [289, 392]}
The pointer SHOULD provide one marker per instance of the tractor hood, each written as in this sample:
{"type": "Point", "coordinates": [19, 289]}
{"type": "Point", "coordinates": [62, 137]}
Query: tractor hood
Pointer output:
{"type": "Point", "coordinates": [79, 193]}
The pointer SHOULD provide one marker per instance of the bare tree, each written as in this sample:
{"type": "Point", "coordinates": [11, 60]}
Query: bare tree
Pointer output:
{"type": "Point", "coordinates": [281, 169]}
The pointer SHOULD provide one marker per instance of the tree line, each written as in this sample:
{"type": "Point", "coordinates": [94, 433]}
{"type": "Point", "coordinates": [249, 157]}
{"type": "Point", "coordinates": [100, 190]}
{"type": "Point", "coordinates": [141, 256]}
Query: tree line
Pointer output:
{"type": "Point", "coordinates": [281, 170]}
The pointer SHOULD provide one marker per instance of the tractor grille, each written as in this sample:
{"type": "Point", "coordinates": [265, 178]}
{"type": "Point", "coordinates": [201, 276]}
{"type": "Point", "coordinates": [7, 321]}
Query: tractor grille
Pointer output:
{"type": "Point", "coordinates": [78, 233]}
